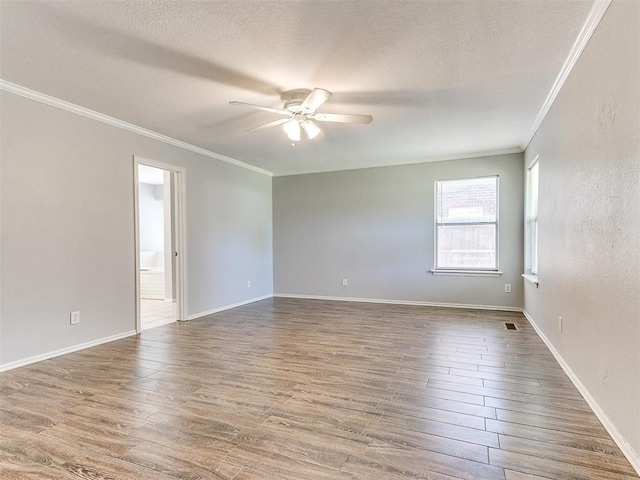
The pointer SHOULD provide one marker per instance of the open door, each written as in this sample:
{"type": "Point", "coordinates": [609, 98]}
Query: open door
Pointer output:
{"type": "Point", "coordinates": [160, 255]}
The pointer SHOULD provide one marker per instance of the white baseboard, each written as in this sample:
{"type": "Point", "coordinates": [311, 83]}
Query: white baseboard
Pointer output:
{"type": "Point", "coordinates": [227, 307]}
{"type": "Point", "coordinates": [64, 351]}
{"type": "Point", "coordinates": [401, 302]}
{"type": "Point", "coordinates": [627, 450]}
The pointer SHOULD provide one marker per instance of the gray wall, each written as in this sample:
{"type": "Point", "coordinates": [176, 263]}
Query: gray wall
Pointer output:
{"type": "Point", "coordinates": [375, 227]}
{"type": "Point", "coordinates": [67, 235]}
{"type": "Point", "coordinates": [589, 230]}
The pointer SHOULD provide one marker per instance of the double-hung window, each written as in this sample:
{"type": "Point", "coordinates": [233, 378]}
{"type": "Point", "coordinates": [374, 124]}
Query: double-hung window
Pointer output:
{"type": "Point", "coordinates": [531, 246]}
{"type": "Point", "coordinates": [466, 229]}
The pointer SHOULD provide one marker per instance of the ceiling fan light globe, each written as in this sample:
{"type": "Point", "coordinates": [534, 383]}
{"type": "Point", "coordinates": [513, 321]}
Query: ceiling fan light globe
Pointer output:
{"type": "Point", "coordinates": [292, 129]}
{"type": "Point", "coordinates": [311, 128]}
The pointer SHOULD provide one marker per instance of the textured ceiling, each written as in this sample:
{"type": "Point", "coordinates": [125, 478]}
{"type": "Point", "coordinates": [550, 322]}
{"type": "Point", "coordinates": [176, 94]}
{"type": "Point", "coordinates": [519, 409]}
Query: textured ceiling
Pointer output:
{"type": "Point", "coordinates": [441, 78]}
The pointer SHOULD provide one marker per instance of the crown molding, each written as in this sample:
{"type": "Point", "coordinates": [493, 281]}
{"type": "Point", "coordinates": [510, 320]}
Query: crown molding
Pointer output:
{"type": "Point", "coordinates": [593, 19]}
{"type": "Point", "coordinates": [100, 117]}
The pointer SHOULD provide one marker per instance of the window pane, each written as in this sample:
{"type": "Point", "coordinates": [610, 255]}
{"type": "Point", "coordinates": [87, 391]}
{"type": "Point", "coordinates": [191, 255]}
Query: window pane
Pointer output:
{"type": "Point", "coordinates": [533, 260]}
{"type": "Point", "coordinates": [466, 246]}
{"type": "Point", "coordinates": [532, 218]}
{"type": "Point", "coordinates": [533, 192]}
{"type": "Point", "coordinates": [471, 200]}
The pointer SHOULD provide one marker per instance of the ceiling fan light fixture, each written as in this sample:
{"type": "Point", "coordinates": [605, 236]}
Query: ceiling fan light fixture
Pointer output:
{"type": "Point", "coordinates": [312, 129]}
{"type": "Point", "coordinates": [292, 129]}
{"type": "Point", "coordinates": [300, 108]}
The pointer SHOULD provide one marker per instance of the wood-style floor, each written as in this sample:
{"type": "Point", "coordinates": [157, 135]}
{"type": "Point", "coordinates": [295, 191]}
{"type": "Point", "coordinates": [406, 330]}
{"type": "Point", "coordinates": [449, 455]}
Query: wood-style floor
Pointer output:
{"type": "Point", "coordinates": [303, 389]}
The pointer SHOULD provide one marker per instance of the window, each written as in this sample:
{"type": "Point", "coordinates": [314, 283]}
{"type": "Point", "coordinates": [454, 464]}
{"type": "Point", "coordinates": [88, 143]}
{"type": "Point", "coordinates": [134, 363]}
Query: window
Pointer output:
{"type": "Point", "coordinates": [531, 248]}
{"type": "Point", "coordinates": [467, 225]}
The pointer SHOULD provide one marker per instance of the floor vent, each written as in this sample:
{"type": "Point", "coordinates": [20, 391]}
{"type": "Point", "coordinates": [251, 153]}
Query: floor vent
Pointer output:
{"type": "Point", "coordinates": [510, 326]}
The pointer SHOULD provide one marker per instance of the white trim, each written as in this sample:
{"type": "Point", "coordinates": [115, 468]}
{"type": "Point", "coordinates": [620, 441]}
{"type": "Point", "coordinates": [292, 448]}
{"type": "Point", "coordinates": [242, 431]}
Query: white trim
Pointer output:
{"type": "Point", "coordinates": [100, 117]}
{"type": "Point", "coordinates": [530, 220]}
{"type": "Point", "coordinates": [437, 158]}
{"type": "Point", "coordinates": [401, 302]}
{"type": "Point", "coordinates": [136, 247]}
{"type": "Point", "coordinates": [64, 351]}
{"type": "Point", "coordinates": [627, 450]}
{"type": "Point", "coordinates": [534, 161]}
{"type": "Point", "coordinates": [467, 273]}
{"type": "Point", "coordinates": [593, 19]}
{"type": "Point", "coordinates": [179, 199]}
{"type": "Point", "coordinates": [228, 307]}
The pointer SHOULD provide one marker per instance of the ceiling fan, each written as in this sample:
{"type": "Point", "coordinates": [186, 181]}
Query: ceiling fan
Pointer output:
{"type": "Point", "coordinates": [300, 109]}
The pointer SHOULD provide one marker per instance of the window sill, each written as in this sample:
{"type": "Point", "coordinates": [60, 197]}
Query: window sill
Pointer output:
{"type": "Point", "coordinates": [531, 278]}
{"type": "Point", "coordinates": [467, 273]}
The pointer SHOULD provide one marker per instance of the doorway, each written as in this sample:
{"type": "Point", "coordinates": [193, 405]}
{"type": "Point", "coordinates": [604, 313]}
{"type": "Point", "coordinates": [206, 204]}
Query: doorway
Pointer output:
{"type": "Point", "coordinates": [159, 229]}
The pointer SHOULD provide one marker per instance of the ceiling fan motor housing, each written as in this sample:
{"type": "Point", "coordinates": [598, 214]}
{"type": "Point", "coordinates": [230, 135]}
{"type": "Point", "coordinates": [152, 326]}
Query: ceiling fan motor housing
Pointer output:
{"type": "Point", "coordinates": [295, 107]}
{"type": "Point", "coordinates": [293, 100]}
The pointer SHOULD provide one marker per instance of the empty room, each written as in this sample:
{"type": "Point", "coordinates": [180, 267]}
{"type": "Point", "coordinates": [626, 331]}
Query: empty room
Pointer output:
{"type": "Point", "coordinates": [337, 239]}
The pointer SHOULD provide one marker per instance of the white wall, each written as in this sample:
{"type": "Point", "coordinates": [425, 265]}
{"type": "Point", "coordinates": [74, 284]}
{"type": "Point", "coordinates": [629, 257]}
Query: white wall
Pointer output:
{"type": "Point", "coordinates": [151, 218]}
{"type": "Point", "coordinates": [375, 227]}
{"type": "Point", "coordinates": [589, 228]}
{"type": "Point", "coordinates": [67, 229]}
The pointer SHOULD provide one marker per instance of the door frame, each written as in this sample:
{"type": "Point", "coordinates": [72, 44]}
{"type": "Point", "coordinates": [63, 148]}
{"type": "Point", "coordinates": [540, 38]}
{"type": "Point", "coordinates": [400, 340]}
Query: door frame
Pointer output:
{"type": "Point", "coordinates": [179, 227]}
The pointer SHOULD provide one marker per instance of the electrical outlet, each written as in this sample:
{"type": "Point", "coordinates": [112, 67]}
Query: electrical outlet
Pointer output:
{"type": "Point", "coordinates": [507, 288]}
{"type": "Point", "coordinates": [344, 282]}
{"type": "Point", "coordinates": [248, 283]}
{"type": "Point", "coordinates": [74, 318]}
{"type": "Point", "coordinates": [560, 324]}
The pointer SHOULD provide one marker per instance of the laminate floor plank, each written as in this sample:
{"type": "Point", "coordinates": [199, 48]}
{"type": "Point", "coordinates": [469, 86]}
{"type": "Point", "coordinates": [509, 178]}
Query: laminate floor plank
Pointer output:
{"type": "Point", "coordinates": [308, 389]}
{"type": "Point", "coordinates": [571, 439]}
{"type": "Point", "coordinates": [65, 459]}
{"type": "Point", "coordinates": [258, 464]}
{"type": "Point", "coordinates": [559, 411]}
{"type": "Point", "coordinates": [476, 390]}
{"type": "Point", "coordinates": [417, 462]}
{"type": "Point", "coordinates": [399, 407]}
{"type": "Point", "coordinates": [174, 460]}
{"type": "Point", "coordinates": [17, 467]}
{"type": "Point", "coordinates": [386, 432]}
{"type": "Point", "coordinates": [511, 475]}
{"type": "Point", "coordinates": [578, 456]}
{"type": "Point", "coordinates": [416, 387]}
{"type": "Point", "coordinates": [446, 430]}
{"type": "Point", "coordinates": [552, 469]}
{"type": "Point", "coordinates": [569, 425]}
{"type": "Point", "coordinates": [448, 405]}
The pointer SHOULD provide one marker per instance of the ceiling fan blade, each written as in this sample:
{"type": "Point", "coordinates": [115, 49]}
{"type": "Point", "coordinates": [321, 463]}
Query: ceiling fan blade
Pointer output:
{"type": "Point", "coordinates": [260, 107]}
{"type": "Point", "coordinates": [315, 99]}
{"type": "Point", "coordinates": [343, 118]}
{"type": "Point", "coordinates": [270, 124]}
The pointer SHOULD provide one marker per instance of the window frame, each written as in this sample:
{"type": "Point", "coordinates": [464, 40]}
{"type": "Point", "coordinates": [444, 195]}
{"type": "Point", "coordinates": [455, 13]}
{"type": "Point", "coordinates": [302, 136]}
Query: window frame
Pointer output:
{"type": "Point", "coordinates": [531, 218]}
{"type": "Point", "coordinates": [492, 271]}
